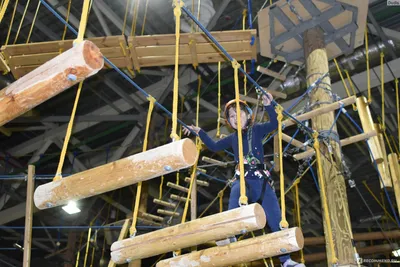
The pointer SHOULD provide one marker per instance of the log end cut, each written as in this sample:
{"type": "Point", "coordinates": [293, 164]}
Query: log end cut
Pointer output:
{"type": "Point", "coordinates": [92, 55]}
{"type": "Point", "coordinates": [189, 151]}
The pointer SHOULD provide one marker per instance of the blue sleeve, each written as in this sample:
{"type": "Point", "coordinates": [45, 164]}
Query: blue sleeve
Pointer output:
{"type": "Point", "coordinates": [265, 128]}
{"type": "Point", "coordinates": [215, 146]}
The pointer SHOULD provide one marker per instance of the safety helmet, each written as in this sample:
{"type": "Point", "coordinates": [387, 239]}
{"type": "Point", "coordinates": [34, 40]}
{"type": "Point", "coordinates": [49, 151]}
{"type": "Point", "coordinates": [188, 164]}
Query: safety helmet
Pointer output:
{"type": "Point", "coordinates": [243, 106]}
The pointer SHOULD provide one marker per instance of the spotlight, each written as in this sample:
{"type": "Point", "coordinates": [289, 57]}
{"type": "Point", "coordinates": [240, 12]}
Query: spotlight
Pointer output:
{"type": "Point", "coordinates": [71, 208]}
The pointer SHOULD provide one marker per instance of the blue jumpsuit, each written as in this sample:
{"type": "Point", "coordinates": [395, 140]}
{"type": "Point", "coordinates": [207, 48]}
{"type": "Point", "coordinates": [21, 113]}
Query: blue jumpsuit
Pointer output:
{"type": "Point", "coordinates": [270, 201]}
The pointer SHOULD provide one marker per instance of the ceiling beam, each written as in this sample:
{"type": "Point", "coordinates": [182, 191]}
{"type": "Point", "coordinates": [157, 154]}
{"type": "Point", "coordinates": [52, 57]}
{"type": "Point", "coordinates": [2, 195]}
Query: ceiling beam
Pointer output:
{"type": "Point", "coordinates": [101, 19]}
{"type": "Point", "coordinates": [218, 14]}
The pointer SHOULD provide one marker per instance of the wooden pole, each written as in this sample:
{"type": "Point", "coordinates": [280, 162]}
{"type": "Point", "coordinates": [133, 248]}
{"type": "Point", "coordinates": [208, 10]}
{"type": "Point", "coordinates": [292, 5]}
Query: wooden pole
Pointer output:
{"type": "Point", "coordinates": [344, 142]}
{"type": "Point", "coordinates": [70, 253]}
{"type": "Point", "coordinates": [130, 170]}
{"type": "Point", "coordinates": [395, 171]}
{"type": "Point", "coordinates": [214, 161]}
{"type": "Point", "coordinates": [383, 167]}
{"type": "Point", "coordinates": [193, 200]}
{"type": "Point", "coordinates": [316, 65]}
{"type": "Point", "coordinates": [164, 203]}
{"type": "Point", "coordinates": [312, 241]}
{"type": "Point", "coordinates": [368, 125]}
{"type": "Point", "coordinates": [192, 233]}
{"type": "Point", "coordinates": [326, 108]}
{"type": "Point", "coordinates": [199, 182]}
{"type": "Point", "coordinates": [50, 79]}
{"type": "Point", "coordinates": [265, 246]}
{"type": "Point", "coordinates": [29, 216]}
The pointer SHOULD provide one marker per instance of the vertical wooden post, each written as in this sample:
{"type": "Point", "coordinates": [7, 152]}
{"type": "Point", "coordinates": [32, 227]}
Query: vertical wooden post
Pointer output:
{"type": "Point", "coordinates": [193, 200]}
{"type": "Point", "coordinates": [28, 216]}
{"type": "Point", "coordinates": [69, 254]}
{"type": "Point", "coordinates": [142, 208]}
{"type": "Point", "coordinates": [317, 64]}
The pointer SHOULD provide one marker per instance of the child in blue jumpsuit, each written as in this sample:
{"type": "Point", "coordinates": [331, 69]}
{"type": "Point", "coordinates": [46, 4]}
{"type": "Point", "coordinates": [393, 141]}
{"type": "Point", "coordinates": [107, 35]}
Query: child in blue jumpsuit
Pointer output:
{"type": "Point", "coordinates": [255, 177]}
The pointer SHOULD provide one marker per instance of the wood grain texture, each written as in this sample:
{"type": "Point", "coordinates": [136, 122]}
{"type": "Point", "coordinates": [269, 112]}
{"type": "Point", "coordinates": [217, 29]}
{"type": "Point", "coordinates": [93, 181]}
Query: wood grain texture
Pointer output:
{"type": "Point", "coordinates": [29, 216]}
{"type": "Point", "coordinates": [265, 246]}
{"type": "Point", "coordinates": [127, 171]}
{"type": "Point", "coordinates": [210, 228]}
{"type": "Point", "coordinates": [50, 79]}
{"type": "Point", "coordinates": [317, 64]}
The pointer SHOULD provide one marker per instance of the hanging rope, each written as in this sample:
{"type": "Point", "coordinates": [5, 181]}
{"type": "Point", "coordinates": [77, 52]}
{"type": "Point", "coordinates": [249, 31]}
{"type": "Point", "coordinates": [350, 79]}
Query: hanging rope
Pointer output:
{"type": "Point", "coordinates": [351, 86]}
{"type": "Point", "coordinates": [244, 13]}
{"type": "Point", "coordinates": [65, 27]}
{"type": "Point", "coordinates": [396, 81]}
{"type": "Point", "coordinates": [161, 187]}
{"type": "Point", "coordinates": [283, 223]}
{"type": "Point", "coordinates": [221, 201]}
{"type": "Point", "coordinates": [33, 22]}
{"type": "Point", "coordinates": [83, 22]}
{"type": "Point", "coordinates": [177, 13]}
{"type": "Point", "coordinates": [94, 248]}
{"type": "Point", "coordinates": [367, 57]}
{"type": "Point", "coordinates": [4, 6]}
{"type": "Point", "coordinates": [135, 17]}
{"type": "Point", "coordinates": [87, 245]}
{"type": "Point", "coordinates": [383, 91]}
{"type": "Point", "coordinates": [296, 192]}
{"type": "Point", "coordinates": [79, 251]}
{"type": "Point", "coordinates": [11, 23]}
{"type": "Point", "coordinates": [198, 100]}
{"type": "Point", "coordinates": [198, 13]}
{"type": "Point", "coordinates": [344, 82]}
{"type": "Point", "coordinates": [22, 20]}
{"type": "Point", "coordinates": [323, 196]}
{"type": "Point", "coordinates": [243, 197]}
{"type": "Point", "coordinates": [125, 16]}
{"type": "Point", "coordinates": [219, 100]}
{"type": "Point", "coordinates": [132, 230]}
{"type": "Point", "coordinates": [144, 18]}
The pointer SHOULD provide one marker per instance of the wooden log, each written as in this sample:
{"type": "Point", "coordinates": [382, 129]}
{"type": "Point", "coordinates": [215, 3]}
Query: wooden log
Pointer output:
{"type": "Point", "coordinates": [50, 79]}
{"type": "Point", "coordinates": [271, 73]}
{"type": "Point", "coordinates": [320, 240]}
{"type": "Point", "coordinates": [130, 170]}
{"type": "Point", "coordinates": [322, 110]}
{"type": "Point", "coordinates": [265, 246]}
{"type": "Point", "coordinates": [201, 170]}
{"type": "Point", "coordinates": [148, 222]}
{"type": "Point", "coordinates": [178, 187]}
{"type": "Point", "coordinates": [344, 142]}
{"type": "Point", "coordinates": [294, 142]}
{"type": "Point", "coordinates": [383, 167]}
{"type": "Point", "coordinates": [168, 213]}
{"type": "Point", "coordinates": [368, 125]}
{"type": "Point", "coordinates": [178, 198]}
{"type": "Point", "coordinates": [210, 228]}
{"type": "Point", "coordinates": [29, 216]}
{"type": "Point", "coordinates": [395, 172]}
{"type": "Point", "coordinates": [199, 182]}
{"type": "Point", "coordinates": [164, 203]}
{"type": "Point", "coordinates": [214, 161]}
{"type": "Point", "coordinates": [151, 216]}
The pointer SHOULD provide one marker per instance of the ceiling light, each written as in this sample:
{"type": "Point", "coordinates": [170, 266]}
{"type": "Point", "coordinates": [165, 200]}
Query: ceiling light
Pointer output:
{"type": "Point", "coordinates": [71, 208]}
{"type": "Point", "coordinates": [396, 253]}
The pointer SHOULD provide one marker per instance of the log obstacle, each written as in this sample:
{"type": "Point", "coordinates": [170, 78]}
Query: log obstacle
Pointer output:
{"type": "Point", "coordinates": [214, 161]}
{"type": "Point", "coordinates": [274, 244]}
{"type": "Point", "coordinates": [178, 187]}
{"type": "Point", "coordinates": [215, 227]}
{"type": "Point", "coordinates": [199, 182]}
{"type": "Point", "coordinates": [164, 203]}
{"type": "Point", "coordinates": [50, 79]}
{"type": "Point", "coordinates": [127, 171]}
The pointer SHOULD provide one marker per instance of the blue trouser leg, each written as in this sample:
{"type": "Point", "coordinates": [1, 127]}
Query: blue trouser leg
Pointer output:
{"type": "Point", "coordinates": [269, 204]}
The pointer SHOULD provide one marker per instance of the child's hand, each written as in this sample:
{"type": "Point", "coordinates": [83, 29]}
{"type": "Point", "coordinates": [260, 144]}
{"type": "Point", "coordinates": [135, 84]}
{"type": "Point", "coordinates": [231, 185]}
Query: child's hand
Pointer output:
{"type": "Point", "coordinates": [195, 129]}
{"type": "Point", "coordinates": [267, 100]}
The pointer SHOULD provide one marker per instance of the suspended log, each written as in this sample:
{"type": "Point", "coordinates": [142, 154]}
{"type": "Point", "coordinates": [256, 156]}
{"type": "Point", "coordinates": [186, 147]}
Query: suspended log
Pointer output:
{"type": "Point", "coordinates": [395, 171]}
{"type": "Point", "coordinates": [294, 142]}
{"type": "Point", "coordinates": [148, 222]}
{"type": "Point", "coordinates": [130, 170]}
{"type": "Point", "coordinates": [150, 216]}
{"type": "Point", "coordinates": [164, 203]}
{"type": "Point", "coordinates": [168, 213]}
{"type": "Point", "coordinates": [214, 161]}
{"type": "Point", "coordinates": [368, 126]}
{"type": "Point", "coordinates": [322, 110]}
{"type": "Point", "coordinates": [199, 182]}
{"type": "Point", "coordinates": [344, 142]}
{"type": "Point", "coordinates": [178, 198]}
{"type": "Point", "coordinates": [265, 246]}
{"type": "Point", "coordinates": [320, 240]}
{"type": "Point", "coordinates": [50, 79]}
{"type": "Point", "coordinates": [178, 187]}
{"type": "Point", "coordinates": [215, 227]}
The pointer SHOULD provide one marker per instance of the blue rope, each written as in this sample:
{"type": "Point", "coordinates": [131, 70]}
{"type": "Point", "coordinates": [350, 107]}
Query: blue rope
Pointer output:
{"type": "Point", "coordinates": [250, 13]}
{"type": "Point", "coordinates": [376, 168]}
{"type": "Point", "coordinates": [212, 177]}
{"type": "Point", "coordinates": [313, 175]}
{"type": "Point", "coordinates": [336, 118]}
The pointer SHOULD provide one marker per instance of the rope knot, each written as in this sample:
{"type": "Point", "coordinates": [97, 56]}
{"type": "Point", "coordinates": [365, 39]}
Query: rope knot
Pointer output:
{"type": "Point", "coordinates": [175, 137]}
{"type": "Point", "coordinates": [235, 64]}
{"type": "Point", "coordinates": [151, 99]}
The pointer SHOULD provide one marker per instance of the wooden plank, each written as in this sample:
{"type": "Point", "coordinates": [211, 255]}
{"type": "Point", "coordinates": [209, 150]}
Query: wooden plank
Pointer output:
{"type": "Point", "coordinates": [203, 58]}
{"type": "Point", "coordinates": [3, 64]}
{"type": "Point", "coordinates": [114, 175]}
{"type": "Point", "coordinates": [169, 39]}
{"type": "Point", "coordinates": [134, 57]}
{"type": "Point", "coordinates": [29, 216]}
{"type": "Point", "coordinates": [200, 231]}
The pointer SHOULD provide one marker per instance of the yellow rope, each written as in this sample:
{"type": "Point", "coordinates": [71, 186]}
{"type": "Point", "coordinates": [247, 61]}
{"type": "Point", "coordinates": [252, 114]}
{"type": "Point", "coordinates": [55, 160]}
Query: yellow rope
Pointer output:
{"type": "Point", "coordinates": [219, 100]}
{"type": "Point", "coordinates": [161, 186]}
{"type": "Point", "coordinates": [344, 82]}
{"type": "Point", "coordinates": [58, 175]}
{"type": "Point", "coordinates": [65, 27]}
{"type": "Point", "coordinates": [396, 81]}
{"type": "Point", "coordinates": [192, 27]}
{"type": "Point", "coordinates": [144, 18]}
{"type": "Point", "coordinates": [284, 223]}
{"type": "Point", "coordinates": [22, 20]}
{"type": "Point", "coordinates": [368, 73]}
{"type": "Point", "coordinates": [79, 251]}
{"type": "Point", "coordinates": [351, 86]}
{"type": "Point", "coordinates": [213, 201]}
{"type": "Point", "coordinates": [324, 200]}
{"type": "Point", "coordinates": [4, 6]}
{"type": "Point", "coordinates": [298, 217]}
{"type": "Point", "coordinates": [221, 200]}
{"type": "Point", "coordinates": [198, 13]}
{"type": "Point", "coordinates": [11, 23]}
{"type": "Point", "coordinates": [93, 249]}
{"type": "Point", "coordinates": [134, 17]}
{"type": "Point", "coordinates": [198, 100]}
{"type": "Point", "coordinates": [83, 22]}
{"type": "Point", "coordinates": [244, 61]}
{"type": "Point", "coordinates": [132, 229]}
{"type": "Point", "coordinates": [87, 245]}
{"type": "Point", "coordinates": [383, 92]}
{"type": "Point", "coordinates": [125, 16]}
{"type": "Point", "coordinates": [243, 197]}
{"type": "Point", "coordinates": [394, 144]}
{"type": "Point", "coordinates": [33, 22]}
{"type": "Point", "coordinates": [177, 13]}
{"type": "Point", "coordinates": [125, 54]}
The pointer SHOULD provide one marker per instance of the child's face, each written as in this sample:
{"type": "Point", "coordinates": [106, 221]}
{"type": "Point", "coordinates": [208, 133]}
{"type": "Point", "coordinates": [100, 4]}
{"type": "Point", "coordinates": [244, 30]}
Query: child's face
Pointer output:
{"type": "Point", "coordinates": [232, 118]}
